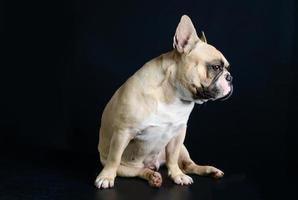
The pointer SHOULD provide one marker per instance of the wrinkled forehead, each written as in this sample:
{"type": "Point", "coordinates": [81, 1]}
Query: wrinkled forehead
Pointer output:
{"type": "Point", "coordinates": [203, 52]}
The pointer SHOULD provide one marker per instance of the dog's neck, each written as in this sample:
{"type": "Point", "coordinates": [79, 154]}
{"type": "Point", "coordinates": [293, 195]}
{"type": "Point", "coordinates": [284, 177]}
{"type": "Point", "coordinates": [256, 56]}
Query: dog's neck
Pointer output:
{"type": "Point", "coordinates": [169, 65]}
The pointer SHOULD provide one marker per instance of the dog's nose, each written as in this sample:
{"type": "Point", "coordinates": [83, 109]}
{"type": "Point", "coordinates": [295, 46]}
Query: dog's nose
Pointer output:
{"type": "Point", "coordinates": [229, 78]}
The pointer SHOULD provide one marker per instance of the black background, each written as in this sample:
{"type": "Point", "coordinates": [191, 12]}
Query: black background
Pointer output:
{"type": "Point", "coordinates": [63, 60]}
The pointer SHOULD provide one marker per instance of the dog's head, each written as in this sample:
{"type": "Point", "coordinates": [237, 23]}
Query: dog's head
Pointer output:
{"type": "Point", "coordinates": [202, 71]}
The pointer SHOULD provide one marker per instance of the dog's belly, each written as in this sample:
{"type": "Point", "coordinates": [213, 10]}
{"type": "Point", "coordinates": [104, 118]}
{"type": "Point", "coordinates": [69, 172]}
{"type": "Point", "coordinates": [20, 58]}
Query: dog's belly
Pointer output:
{"type": "Point", "coordinates": [147, 148]}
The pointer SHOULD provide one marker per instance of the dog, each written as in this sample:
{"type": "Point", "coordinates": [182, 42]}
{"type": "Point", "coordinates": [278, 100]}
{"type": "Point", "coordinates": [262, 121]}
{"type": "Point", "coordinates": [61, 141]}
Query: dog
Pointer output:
{"type": "Point", "coordinates": [144, 124]}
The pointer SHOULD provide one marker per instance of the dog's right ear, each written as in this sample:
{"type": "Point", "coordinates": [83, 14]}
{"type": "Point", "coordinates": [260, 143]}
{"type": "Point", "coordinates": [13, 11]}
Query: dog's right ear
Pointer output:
{"type": "Point", "coordinates": [186, 36]}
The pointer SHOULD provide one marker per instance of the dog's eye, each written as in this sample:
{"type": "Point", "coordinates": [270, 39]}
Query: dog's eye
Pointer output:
{"type": "Point", "coordinates": [216, 67]}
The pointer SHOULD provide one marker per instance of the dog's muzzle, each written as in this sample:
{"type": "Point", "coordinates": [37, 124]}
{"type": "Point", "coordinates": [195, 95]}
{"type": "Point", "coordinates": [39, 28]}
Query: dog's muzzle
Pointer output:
{"type": "Point", "coordinates": [227, 95]}
{"type": "Point", "coordinates": [229, 78]}
{"type": "Point", "coordinates": [211, 92]}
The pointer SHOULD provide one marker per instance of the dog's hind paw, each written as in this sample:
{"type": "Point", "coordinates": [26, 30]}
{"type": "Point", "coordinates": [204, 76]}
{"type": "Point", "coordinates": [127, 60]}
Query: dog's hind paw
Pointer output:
{"type": "Point", "coordinates": [214, 172]}
{"type": "Point", "coordinates": [155, 179]}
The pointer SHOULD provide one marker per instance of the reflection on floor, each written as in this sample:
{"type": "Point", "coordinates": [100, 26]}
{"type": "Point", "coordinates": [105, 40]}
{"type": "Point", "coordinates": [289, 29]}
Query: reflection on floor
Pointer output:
{"type": "Point", "coordinates": [58, 175]}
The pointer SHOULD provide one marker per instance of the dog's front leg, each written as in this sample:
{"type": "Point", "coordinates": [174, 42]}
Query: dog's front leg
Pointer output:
{"type": "Point", "coordinates": [172, 155]}
{"type": "Point", "coordinates": [119, 142]}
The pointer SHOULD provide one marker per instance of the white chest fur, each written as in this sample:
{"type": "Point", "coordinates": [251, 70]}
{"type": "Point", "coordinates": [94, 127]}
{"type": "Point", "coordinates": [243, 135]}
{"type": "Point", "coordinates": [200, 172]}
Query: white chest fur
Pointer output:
{"type": "Point", "coordinates": [156, 131]}
{"type": "Point", "coordinates": [165, 122]}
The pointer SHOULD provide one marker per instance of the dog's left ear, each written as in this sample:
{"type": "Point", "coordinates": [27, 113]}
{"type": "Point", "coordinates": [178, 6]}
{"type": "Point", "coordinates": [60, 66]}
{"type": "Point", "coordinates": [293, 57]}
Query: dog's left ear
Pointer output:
{"type": "Point", "coordinates": [203, 37]}
{"type": "Point", "coordinates": [186, 36]}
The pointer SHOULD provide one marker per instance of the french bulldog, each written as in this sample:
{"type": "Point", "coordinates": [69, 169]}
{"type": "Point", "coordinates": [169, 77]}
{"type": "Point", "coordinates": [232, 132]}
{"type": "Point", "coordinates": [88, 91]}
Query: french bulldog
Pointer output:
{"type": "Point", "coordinates": [144, 124]}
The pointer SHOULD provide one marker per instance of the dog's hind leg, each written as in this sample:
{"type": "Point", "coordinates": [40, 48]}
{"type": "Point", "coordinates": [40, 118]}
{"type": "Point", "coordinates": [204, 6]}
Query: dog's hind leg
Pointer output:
{"type": "Point", "coordinates": [154, 178]}
{"type": "Point", "coordinates": [190, 167]}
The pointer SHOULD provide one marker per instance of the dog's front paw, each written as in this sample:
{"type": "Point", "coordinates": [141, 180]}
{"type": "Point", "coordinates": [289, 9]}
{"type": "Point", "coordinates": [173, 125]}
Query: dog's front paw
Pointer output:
{"type": "Point", "coordinates": [182, 179]}
{"type": "Point", "coordinates": [104, 181]}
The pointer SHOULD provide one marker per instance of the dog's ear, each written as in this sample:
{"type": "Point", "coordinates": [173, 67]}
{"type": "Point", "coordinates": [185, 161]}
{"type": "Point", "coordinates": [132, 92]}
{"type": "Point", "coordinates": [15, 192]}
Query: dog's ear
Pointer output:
{"type": "Point", "coordinates": [186, 36]}
{"type": "Point", "coordinates": [203, 37]}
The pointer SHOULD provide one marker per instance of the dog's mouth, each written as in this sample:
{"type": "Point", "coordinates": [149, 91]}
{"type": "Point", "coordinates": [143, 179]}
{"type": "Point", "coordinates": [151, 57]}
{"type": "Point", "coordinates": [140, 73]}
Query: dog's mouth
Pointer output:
{"type": "Point", "coordinates": [203, 93]}
{"type": "Point", "coordinates": [207, 93]}
{"type": "Point", "coordinates": [227, 95]}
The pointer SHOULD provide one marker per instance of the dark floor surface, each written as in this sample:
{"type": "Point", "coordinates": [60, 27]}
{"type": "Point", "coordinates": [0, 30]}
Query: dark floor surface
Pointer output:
{"type": "Point", "coordinates": [58, 175]}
